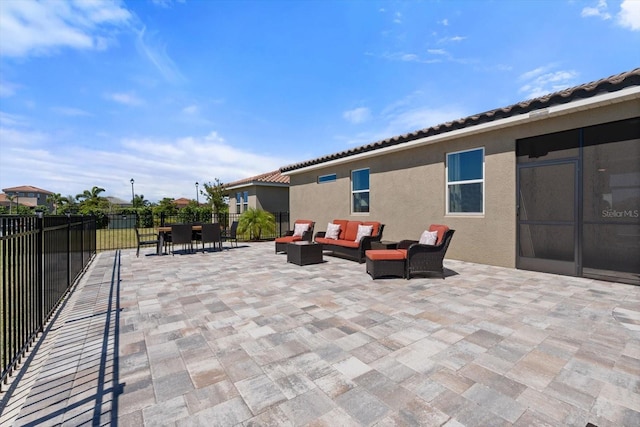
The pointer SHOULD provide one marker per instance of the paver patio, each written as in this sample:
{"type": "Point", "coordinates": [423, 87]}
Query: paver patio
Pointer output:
{"type": "Point", "coordinates": [242, 338]}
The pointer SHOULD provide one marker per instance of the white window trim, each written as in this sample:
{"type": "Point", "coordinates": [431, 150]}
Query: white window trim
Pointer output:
{"type": "Point", "coordinates": [470, 181]}
{"type": "Point", "coordinates": [368, 190]}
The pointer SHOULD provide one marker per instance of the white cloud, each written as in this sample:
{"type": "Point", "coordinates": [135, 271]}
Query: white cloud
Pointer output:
{"type": "Point", "coordinates": [629, 15]}
{"type": "Point", "coordinates": [7, 119]}
{"type": "Point", "coordinates": [357, 115]}
{"type": "Point", "coordinates": [191, 109]}
{"type": "Point", "coordinates": [7, 89]}
{"type": "Point", "coordinates": [405, 115]}
{"type": "Point", "coordinates": [69, 111]}
{"type": "Point", "coordinates": [444, 22]}
{"type": "Point", "coordinates": [40, 28]}
{"type": "Point", "coordinates": [599, 11]}
{"type": "Point", "coordinates": [156, 53]}
{"type": "Point", "coordinates": [160, 167]}
{"type": "Point", "coordinates": [414, 119]}
{"type": "Point", "coordinates": [543, 80]}
{"type": "Point", "coordinates": [125, 98]}
{"type": "Point", "coordinates": [407, 57]}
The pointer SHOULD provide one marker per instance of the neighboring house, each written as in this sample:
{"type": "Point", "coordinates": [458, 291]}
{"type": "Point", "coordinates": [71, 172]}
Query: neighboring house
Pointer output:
{"type": "Point", "coordinates": [268, 191]}
{"type": "Point", "coordinates": [115, 201]}
{"type": "Point", "coordinates": [550, 184]}
{"type": "Point", "coordinates": [29, 196]}
{"type": "Point", "coordinates": [5, 202]}
{"type": "Point", "coordinates": [182, 202]}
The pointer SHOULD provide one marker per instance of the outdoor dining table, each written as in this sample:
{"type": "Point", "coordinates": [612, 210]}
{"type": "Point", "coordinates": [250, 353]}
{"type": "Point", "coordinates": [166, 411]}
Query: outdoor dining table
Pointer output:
{"type": "Point", "coordinates": [164, 230]}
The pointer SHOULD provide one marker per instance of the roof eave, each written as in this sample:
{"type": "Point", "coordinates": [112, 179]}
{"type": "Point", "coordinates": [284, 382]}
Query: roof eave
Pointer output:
{"type": "Point", "coordinates": [532, 116]}
{"type": "Point", "coordinates": [257, 184]}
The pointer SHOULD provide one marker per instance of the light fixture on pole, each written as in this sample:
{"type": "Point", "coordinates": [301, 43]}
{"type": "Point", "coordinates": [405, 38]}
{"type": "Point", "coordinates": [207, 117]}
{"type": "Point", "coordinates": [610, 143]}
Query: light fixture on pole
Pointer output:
{"type": "Point", "coordinates": [132, 193]}
{"type": "Point", "coordinates": [197, 198]}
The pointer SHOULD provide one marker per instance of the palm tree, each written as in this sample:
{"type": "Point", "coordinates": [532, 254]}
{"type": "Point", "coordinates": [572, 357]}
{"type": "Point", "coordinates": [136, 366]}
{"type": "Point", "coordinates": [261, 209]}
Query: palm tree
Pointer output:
{"type": "Point", "coordinates": [256, 221]}
{"type": "Point", "coordinates": [139, 201]}
{"type": "Point", "coordinates": [91, 198]}
{"type": "Point", "coordinates": [10, 199]}
{"type": "Point", "coordinates": [56, 200]}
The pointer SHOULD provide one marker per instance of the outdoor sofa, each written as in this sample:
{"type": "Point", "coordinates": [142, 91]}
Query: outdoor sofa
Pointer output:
{"type": "Point", "coordinates": [302, 230]}
{"type": "Point", "coordinates": [352, 238]}
{"type": "Point", "coordinates": [411, 257]}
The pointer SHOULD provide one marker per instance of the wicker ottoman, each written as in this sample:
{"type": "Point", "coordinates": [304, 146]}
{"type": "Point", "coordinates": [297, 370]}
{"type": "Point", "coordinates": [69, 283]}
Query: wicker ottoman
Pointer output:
{"type": "Point", "coordinates": [385, 262]}
{"type": "Point", "coordinates": [304, 253]}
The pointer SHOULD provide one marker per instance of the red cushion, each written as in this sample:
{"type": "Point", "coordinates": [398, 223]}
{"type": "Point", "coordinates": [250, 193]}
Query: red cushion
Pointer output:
{"type": "Point", "coordinates": [385, 254]}
{"type": "Point", "coordinates": [441, 229]}
{"type": "Point", "coordinates": [376, 227]}
{"type": "Point", "coordinates": [303, 221]}
{"type": "Point", "coordinates": [349, 243]}
{"type": "Point", "coordinates": [352, 230]}
{"type": "Point", "coordinates": [288, 239]}
{"type": "Point", "coordinates": [343, 227]}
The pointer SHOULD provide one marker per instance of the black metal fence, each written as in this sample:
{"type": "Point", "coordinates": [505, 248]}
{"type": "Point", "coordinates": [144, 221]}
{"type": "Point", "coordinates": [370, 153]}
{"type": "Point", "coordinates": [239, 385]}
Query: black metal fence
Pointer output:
{"type": "Point", "coordinates": [116, 231]}
{"type": "Point", "coordinates": [41, 259]}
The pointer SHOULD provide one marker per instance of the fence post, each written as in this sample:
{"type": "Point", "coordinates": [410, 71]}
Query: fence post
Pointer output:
{"type": "Point", "coordinates": [68, 251]}
{"type": "Point", "coordinates": [40, 268]}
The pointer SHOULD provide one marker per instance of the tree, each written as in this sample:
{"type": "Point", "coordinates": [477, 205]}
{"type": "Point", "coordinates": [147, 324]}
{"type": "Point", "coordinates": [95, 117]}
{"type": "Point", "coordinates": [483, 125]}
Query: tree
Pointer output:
{"type": "Point", "coordinates": [255, 221]}
{"type": "Point", "coordinates": [69, 205]}
{"type": "Point", "coordinates": [91, 199]}
{"type": "Point", "coordinates": [56, 200]}
{"type": "Point", "coordinates": [139, 201]}
{"type": "Point", "coordinates": [166, 206]}
{"type": "Point", "coordinates": [11, 199]}
{"type": "Point", "coordinates": [214, 194]}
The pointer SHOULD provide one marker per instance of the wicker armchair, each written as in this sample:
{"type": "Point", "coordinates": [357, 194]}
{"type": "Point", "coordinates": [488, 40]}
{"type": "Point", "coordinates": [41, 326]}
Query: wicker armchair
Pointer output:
{"type": "Point", "coordinates": [288, 237]}
{"type": "Point", "coordinates": [423, 259]}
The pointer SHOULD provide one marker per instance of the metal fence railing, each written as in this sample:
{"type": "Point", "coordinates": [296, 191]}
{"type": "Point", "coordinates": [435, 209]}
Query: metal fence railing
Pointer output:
{"type": "Point", "coordinates": [41, 257]}
{"type": "Point", "coordinates": [117, 230]}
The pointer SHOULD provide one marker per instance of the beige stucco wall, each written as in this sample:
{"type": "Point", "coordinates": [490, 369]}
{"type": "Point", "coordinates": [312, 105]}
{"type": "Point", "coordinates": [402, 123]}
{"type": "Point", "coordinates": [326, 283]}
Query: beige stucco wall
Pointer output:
{"type": "Point", "coordinates": [272, 198]}
{"type": "Point", "coordinates": [407, 188]}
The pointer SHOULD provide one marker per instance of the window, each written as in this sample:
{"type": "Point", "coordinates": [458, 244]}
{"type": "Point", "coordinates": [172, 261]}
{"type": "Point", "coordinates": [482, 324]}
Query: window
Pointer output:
{"type": "Point", "coordinates": [360, 191]}
{"type": "Point", "coordinates": [238, 202]}
{"type": "Point", "coordinates": [465, 182]}
{"type": "Point", "coordinates": [245, 201]}
{"type": "Point", "coordinates": [326, 178]}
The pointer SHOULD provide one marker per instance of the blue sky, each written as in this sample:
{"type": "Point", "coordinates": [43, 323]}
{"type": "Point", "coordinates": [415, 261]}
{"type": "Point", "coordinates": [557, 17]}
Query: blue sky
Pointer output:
{"type": "Point", "coordinates": [176, 92]}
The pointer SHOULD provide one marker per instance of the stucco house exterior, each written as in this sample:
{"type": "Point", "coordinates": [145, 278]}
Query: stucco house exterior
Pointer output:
{"type": "Point", "coordinates": [268, 191]}
{"type": "Point", "coordinates": [27, 195]}
{"type": "Point", "coordinates": [550, 184]}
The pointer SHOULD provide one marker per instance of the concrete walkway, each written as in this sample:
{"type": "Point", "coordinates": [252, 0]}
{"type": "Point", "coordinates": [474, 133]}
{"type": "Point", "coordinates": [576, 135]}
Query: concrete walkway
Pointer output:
{"type": "Point", "coordinates": [242, 338]}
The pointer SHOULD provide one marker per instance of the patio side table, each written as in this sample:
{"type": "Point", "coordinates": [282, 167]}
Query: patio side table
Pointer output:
{"type": "Point", "coordinates": [384, 244]}
{"type": "Point", "coordinates": [303, 253]}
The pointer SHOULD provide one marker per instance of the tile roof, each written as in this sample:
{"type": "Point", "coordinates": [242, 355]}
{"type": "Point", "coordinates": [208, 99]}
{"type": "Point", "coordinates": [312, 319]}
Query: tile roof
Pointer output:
{"type": "Point", "coordinates": [273, 177]}
{"type": "Point", "coordinates": [26, 189]}
{"type": "Point", "coordinates": [182, 201]}
{"type": "Point", "coordinates": [584, 91]}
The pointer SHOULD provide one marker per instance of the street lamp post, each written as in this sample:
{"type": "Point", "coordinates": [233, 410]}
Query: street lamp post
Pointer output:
{"type": "Point", "coordinates": [132, 193]}
{"type": "Point", "coordinates": [197, 197]}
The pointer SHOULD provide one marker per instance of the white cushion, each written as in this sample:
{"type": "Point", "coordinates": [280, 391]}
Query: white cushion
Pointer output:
{"type": "Point", "coordinates": [364, 230]}
{"type": "Point", "coordinates": [333, 231]}
{"type": "Point", "coordinates": [428, 238]}
{"type": "Point", "coordinates": [300, 229]}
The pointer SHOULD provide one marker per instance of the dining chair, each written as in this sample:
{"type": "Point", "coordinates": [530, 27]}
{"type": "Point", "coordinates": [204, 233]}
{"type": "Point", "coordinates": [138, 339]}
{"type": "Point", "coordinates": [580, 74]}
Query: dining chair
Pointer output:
{"type": "Point", "coordinates": [211, 233]}
{"type": "Point", "coordinates": [181, 235]}
{"type": "Point", "coordinates": [232, 234]}
{"type": "Point", "coordinates": [147, 239]}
